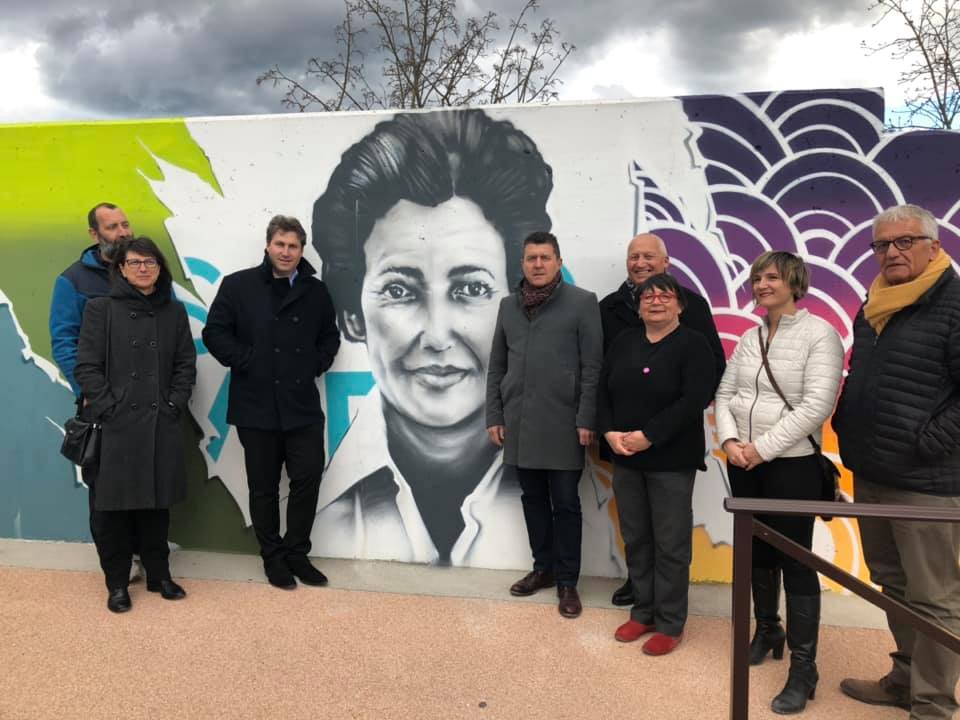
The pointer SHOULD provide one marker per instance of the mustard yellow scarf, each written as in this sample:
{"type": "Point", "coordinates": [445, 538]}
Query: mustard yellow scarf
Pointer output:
{"type": "Point", "coordinates": [885, 300]}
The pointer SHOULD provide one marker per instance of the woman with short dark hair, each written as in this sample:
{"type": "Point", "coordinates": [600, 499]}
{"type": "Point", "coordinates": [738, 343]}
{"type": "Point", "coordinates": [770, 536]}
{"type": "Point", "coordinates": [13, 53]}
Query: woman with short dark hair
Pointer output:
{"type": "Point", "coordinates": [655, 383]}
{"type": "Point", "coordinates": [136, 366]}
{"type": "Point", "coordinates": [769, 455]}
{"type": "Point", "coordinates": [421, 230]}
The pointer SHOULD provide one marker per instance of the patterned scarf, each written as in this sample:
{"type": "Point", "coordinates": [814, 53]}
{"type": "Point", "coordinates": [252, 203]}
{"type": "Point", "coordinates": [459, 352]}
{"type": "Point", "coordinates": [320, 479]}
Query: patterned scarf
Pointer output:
{"type": "Point", "coordinates": [885, 300]}
{"type": "Point", "coordinates": [534, 297]}
{"type": "Point", "coordinates": [632, 288]}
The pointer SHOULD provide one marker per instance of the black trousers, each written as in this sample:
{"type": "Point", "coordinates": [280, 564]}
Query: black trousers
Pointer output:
{"type": "Point", "coordinates": [551, 508]}
{"type": "Point", "coordinates": [264, 453]}
{"type": "Point", "coordinates": [782, 479]}
{"type": "Point", "coordinates": [120, 534]}
{"type": "Point", "coordinates": [656, 522]}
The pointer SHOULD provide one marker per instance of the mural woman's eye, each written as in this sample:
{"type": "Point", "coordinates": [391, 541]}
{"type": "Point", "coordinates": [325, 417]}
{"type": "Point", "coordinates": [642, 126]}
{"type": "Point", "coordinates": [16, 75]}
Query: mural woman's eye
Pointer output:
{"type": "Point", "coordinates": [397, 291]}
{"type": "Point", "coordinates": [471, 290]}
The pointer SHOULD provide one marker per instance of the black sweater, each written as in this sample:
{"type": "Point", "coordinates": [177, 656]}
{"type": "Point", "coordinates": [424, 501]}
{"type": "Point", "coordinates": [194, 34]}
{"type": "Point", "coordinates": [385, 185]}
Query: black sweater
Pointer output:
{"type": "Point", "coordinates": [660, 388]}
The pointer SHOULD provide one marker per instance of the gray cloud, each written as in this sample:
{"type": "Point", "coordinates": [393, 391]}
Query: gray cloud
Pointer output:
{"type": "Point", "coordinates": [184, 58]}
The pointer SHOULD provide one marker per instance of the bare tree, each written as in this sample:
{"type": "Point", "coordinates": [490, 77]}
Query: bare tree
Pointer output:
{"type": "Point", "coordinates": [426, 56]}
{"type": "Point", "coordinates": [930, 49]}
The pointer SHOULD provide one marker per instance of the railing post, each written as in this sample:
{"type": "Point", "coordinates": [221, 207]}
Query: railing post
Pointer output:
{"type": "Point", "coordinates": [742, 564]}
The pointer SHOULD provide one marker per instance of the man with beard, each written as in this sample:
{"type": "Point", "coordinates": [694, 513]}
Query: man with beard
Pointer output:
{"type": "Point", "coordinates": [88, 277]}
{"type": "Point", "coordinates": [647, 256]}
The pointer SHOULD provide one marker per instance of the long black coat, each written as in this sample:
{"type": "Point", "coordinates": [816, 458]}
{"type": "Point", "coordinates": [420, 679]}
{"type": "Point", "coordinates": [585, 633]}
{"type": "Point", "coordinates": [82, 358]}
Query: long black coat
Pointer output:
{"type": "Point", "coordinates": [274, 356]}
{"type": "Point", "coordinates": [136, 366]}
{"type": "Point", "coordinates": [898, 417]}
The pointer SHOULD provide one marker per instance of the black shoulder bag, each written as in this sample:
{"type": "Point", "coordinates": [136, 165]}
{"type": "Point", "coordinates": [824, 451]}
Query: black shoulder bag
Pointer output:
{"type": "Point", "coordinates": [829, 473]}
{"type": "Point", "coordinates": [81, 438]}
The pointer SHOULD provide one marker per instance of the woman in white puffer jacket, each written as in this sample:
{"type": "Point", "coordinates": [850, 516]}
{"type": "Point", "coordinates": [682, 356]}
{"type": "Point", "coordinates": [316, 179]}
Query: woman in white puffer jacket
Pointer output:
{"type": "Point", "coordinates": [770, 456]}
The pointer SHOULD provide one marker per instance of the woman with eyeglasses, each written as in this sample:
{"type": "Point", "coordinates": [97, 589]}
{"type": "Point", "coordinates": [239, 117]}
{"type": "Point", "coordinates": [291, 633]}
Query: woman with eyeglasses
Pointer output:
{"type": "Point", "coordinates": [769, 455]}
{"type": "Point", "coordinates": [656, 381]}
{"type": "Point", "coordinates": [136, 366]}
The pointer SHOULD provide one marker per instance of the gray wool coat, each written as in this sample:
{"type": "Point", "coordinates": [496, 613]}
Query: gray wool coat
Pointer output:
{"type": "Point", "coordinates": [136, 365]}
{"type": "Point", "coordinates": [542, 378]}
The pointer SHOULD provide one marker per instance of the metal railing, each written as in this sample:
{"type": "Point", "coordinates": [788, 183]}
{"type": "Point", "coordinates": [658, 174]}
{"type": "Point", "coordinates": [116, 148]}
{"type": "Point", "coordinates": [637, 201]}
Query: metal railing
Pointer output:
{"type": "Point", "coordinates": [746, 526]}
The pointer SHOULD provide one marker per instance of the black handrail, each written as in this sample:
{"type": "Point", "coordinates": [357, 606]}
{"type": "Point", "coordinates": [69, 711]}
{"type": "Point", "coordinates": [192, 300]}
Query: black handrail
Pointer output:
{"type": "Point", "coordinates": [745, 526]}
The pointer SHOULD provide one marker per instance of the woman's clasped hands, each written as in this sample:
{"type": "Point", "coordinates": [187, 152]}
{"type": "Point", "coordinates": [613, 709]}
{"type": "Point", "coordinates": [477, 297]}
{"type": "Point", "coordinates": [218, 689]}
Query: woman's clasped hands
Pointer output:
{"type": "Point", "coordinates": [742, 454]}
{"type": "Point", "coordinates": [627, 443]}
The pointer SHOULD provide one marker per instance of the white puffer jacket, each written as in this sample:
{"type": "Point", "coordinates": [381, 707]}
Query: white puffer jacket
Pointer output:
{"type": "Point", "coordinates": [806, 357]}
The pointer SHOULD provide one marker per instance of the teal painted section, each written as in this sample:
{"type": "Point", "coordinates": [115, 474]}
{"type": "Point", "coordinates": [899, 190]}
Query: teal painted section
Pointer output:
{"type": "Point", "coordinates": [39, 496]}
{"type": "Point", "coordinates": [218, 416]}
{"type": "Point", "coordinates": [340, 387]}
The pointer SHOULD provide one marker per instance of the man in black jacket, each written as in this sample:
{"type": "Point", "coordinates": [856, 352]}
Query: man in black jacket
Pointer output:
{"type": "Point", "coordinates": [898, 422]}
{"type": "Point", "coordinates": [274, 326]}
{"type": "Point", "coordinates": [647, 256]}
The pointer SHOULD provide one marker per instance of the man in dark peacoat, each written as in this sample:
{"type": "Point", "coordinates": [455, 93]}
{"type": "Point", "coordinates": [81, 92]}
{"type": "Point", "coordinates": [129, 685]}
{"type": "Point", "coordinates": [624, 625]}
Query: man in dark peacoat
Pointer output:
{"type": "Point", "coordinates": [275, 327]}
{"type": "Point", "coordinates": [541, 408]}
{"type": "Point", "coordinates": [647, 256]}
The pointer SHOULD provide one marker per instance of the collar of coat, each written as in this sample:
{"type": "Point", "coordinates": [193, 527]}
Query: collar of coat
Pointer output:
{"type": "Point", "coordinates": [122, 290]}
{"type": "Point", "coordinates": [304, 269]}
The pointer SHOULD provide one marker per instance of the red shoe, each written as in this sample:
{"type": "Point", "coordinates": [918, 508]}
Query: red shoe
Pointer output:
{"type": "Point", "coordinates": [632, 630]}
{"type": "Point", "coordinates": [661, 644]}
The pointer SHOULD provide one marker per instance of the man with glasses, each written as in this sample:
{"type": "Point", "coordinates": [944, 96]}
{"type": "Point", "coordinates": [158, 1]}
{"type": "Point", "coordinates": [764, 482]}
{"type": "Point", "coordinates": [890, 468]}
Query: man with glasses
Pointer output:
{"type": "Point", "coordinates": [898, 423]}
{"type": "Point", "coordinates": [88, 277]}
{"type": "Point", "coordinates": [647, 256]}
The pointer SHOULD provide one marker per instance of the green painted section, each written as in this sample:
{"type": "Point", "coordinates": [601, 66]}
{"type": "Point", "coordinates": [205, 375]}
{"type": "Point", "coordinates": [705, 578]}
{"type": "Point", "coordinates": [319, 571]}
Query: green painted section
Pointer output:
{"type": "Point", "coordinates": [51, 174]}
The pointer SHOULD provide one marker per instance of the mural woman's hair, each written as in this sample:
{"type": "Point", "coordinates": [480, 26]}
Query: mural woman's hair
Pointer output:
{"type": "Point", "coordinates": [148, 248]}
{"type": "Point", "coordinates": [428, 158]}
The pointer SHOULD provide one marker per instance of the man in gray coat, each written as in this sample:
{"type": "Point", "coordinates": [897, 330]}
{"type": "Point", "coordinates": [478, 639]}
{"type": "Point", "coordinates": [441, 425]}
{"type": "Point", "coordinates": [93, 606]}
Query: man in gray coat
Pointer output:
{"type": "Point", "coordinates": [541, 409]}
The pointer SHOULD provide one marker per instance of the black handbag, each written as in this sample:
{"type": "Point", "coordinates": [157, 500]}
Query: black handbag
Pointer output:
{"type": "Point", "coordinates": [81, 441]}
{"type": "Point", "coordinates": [81, 438]}
{"type": "Point", "coordinates": [829, 472]}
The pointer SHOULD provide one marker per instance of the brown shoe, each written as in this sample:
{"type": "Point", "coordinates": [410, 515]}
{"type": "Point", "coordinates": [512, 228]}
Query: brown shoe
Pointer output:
{"type": "Point", "coordinates": [879, 692]}
{"type": "Point", "coordinates": [531, 582]}
{"type": "Point", "coordinates": [569, 605]}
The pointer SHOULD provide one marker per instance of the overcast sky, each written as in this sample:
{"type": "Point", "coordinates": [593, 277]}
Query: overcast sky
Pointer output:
{"type": "Point", "coordinates": [76, 59]}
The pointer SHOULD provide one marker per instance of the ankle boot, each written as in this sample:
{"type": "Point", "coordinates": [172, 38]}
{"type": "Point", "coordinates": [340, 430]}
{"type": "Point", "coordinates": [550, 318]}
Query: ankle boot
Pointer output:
{"type": "Point", "coordinates": [803, 625]}
{"type": "Point", "coordinates": [769, 634]}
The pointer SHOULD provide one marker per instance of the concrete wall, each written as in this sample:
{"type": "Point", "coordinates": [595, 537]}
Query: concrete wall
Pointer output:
{"type": "Point", "coordinates": [722, 178]}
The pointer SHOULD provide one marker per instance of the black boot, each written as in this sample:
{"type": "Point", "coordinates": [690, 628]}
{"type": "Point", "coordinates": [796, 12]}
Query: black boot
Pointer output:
{"type": "Point", "coordinates": [769, 634]}
{"type": "Point", "coordinates": [803, 625]}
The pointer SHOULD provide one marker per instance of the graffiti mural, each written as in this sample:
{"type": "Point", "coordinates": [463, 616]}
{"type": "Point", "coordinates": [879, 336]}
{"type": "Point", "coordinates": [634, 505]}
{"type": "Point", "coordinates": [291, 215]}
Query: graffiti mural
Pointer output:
{"type": "Point", "coordinates": [417, 275]}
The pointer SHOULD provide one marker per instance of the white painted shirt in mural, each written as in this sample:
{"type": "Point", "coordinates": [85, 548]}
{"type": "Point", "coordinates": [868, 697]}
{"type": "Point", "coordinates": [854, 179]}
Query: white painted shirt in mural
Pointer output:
{"type": "Point", "coordinates": [366, 509]}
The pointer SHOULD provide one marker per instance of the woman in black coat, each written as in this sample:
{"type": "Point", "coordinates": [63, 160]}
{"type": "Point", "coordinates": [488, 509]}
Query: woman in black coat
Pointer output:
{"type": "Point", "coordinates": [136, 365]}
{"type": "Point", "coordinates": [656, 381]}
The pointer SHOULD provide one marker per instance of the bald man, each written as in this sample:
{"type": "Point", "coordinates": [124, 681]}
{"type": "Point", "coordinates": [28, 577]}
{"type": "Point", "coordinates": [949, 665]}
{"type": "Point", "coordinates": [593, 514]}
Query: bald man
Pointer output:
{"type": "Point", "coordinates": [647, 256]}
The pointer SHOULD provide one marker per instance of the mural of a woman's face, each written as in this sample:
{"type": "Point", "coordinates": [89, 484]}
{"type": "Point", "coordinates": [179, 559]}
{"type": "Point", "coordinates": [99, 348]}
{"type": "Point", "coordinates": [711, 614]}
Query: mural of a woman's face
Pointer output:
{"type": "Point", "coordinates": [433, 284]}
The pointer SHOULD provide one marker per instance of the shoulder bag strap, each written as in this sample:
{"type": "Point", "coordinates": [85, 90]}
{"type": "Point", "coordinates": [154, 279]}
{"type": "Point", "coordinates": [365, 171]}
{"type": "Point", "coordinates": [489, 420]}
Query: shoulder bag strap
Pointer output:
{"type": "Point", "coordinates": [766, 366]}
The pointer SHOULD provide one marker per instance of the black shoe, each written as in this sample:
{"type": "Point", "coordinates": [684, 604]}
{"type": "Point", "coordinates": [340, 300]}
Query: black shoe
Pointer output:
{"type": "Point", "coordinates": [623, 595]}
{"type": "Point", "coordinates": [531, 582]}
{"type": "Point", "coordinates": [803, 626]}
{"type": "Point", "coordinates": [305, 571]}
{"type": "Point", "coordinates": [118, 600]}
{"type": "Point", "coordinates": [279, 575]}
{"type": "Point", "coordinates": [769, 634]}
{"type": "Point", "coordinates": [168, 589]}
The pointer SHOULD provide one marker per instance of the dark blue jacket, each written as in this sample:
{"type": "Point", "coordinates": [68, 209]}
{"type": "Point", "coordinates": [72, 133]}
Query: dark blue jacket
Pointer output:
{"type": "Point", "coordinates": [274, 353]}
{"type": "Point", "coordinates": [86, 278]}
{"type": "Point", "coordinates": [898, 418]}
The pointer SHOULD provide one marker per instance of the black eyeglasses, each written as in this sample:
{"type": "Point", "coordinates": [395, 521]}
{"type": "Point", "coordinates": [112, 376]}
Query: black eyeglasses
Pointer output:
{"type": "Point", "coordinates": [904, 242]}
{"type": "Point", "coordinates": [148, 263]}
